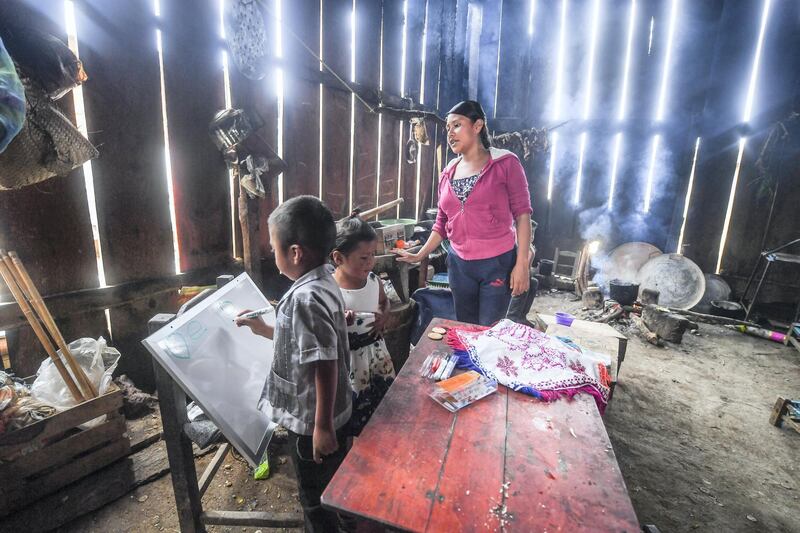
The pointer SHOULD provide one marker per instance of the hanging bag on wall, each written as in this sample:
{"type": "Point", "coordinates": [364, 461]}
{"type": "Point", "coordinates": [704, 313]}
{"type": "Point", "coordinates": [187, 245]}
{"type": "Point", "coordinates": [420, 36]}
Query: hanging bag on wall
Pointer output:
{"type": "Point", "coordinates": [48, 144]}
{"type": "Point", "coordinates": [45, 59]}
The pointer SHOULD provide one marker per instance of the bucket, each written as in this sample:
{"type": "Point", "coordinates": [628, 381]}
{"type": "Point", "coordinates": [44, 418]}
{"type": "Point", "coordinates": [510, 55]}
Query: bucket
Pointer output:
{"type": "Point", "coordinates": [398, 333]}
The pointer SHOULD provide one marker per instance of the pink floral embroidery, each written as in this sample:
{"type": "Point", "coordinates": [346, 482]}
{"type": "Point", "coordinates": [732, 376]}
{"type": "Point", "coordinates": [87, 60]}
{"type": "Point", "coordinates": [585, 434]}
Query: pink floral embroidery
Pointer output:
{"type": "Point", "coordinates": [576, 366]}
{"type": "Point", "coordinates": [531, 362]}
{"type": "Point", "coordinates": [528, 360]}
{"type": "Point", "coordinates": [507, 366]}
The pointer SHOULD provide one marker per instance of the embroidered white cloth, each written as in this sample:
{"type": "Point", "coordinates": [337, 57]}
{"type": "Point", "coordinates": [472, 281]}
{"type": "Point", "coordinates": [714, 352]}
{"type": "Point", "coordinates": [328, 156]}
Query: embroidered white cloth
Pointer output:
{"type": "Point", "coordinates": [529, 361]}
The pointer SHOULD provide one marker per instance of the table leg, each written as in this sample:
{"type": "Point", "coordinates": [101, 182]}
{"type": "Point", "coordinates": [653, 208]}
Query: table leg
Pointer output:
{"type": "Point", "coordinates": [172, 401]}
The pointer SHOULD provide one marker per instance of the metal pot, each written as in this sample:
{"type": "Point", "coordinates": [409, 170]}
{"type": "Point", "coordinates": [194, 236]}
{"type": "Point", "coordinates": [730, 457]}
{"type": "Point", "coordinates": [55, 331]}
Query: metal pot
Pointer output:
{"type": "Point", "coordinates": [727, 309]}
{"type": "Point", "coordinates": [545, 267]}
{"type": "Point", "coordinates": [408, 224]}
{"type": "Point", "coordinates": [624, 292]}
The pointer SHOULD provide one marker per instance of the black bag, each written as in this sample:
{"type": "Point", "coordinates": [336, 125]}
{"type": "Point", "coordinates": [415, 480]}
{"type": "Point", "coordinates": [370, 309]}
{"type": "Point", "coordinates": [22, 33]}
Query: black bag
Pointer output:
{"type": "Point", "coordinates": [45, 59]}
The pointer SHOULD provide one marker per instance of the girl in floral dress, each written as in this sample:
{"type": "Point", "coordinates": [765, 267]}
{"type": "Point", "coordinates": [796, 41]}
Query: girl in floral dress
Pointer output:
{"type": "Point", "coordinates": [366, 305]}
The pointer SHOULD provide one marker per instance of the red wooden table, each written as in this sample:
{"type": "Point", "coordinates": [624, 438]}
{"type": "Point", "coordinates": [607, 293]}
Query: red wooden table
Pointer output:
{"type": "Point", "coordinates": [507, 462]}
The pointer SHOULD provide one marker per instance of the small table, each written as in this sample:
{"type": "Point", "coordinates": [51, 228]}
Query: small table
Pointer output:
{"type": "Point", "coordinates": [589, 330]}
{"type": "Point", "coordinates": [595, 336]}
{"type": "Point", "coordinates": [507, 461]}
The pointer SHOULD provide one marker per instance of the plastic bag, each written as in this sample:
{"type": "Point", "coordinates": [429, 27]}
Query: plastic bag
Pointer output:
{"type": "Point", "coordinates": [251, 182]}
{"type": "Point", "coordinates": [12, 100]}
{"type": "Point", "coordinates": [96, 359]}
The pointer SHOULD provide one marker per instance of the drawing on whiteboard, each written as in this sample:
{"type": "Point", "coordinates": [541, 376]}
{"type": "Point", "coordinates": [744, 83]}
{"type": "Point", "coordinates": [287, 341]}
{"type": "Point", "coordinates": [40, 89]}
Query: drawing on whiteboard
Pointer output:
{"type": "Point", "coordinates": [181, 343]}
{"type": "Point", "coordinates": [226, 309]}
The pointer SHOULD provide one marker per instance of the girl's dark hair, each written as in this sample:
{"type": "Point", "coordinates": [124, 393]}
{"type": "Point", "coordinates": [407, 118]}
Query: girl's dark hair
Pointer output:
{"type": "Point", "coordinates": [352, 231]}
{"type": "Point", "coordinates": [473, 111]}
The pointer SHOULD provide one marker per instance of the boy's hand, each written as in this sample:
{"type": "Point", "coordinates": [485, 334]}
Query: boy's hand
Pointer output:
{"type": "Point", "coordinates": [256, 325]}
{"type": "Point", "coordinates": [350, 317]}
{"type": "Point", "coordinates": [324, 442]}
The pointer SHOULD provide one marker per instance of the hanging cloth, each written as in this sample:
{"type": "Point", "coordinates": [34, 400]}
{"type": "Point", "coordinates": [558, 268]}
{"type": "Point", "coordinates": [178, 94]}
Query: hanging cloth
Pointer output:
{"type": "Point", "coordinates": [12, 100]}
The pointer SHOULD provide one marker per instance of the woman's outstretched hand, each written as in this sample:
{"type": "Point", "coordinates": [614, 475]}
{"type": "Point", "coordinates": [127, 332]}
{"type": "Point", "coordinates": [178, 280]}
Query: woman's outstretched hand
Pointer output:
{"type": "Point", "coordinates": [407, 257]}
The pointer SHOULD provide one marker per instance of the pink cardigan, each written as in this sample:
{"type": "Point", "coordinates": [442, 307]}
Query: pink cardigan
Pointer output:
{"type": "Point", "coordinates": [483, 226]}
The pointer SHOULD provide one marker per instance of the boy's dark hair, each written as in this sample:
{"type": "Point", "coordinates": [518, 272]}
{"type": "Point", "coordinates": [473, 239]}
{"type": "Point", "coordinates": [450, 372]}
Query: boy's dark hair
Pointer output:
{"type": "Point", "coordinates": [473, 111]}
{"type": "Point", "coordinates": [306, 221]}
{"type": "Point", "coordinates": [351, 232]}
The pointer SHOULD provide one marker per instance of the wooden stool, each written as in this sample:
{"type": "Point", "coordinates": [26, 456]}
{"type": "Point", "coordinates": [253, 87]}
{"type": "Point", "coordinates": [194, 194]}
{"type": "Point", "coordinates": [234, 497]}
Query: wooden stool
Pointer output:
{"type": "Point", "coordinates": [786, 412]}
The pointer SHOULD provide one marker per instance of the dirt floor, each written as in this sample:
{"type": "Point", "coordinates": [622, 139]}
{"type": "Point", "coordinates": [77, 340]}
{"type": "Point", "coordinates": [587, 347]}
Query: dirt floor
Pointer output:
{"type": "Point", "coordinates": [151, 507]}
{"type": "Point", "coordinates": [689, 426]}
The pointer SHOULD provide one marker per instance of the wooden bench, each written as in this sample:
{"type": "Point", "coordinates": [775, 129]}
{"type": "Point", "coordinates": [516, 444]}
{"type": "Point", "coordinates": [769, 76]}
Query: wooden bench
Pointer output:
{"type": "Point", "coordinates": [786, 412]}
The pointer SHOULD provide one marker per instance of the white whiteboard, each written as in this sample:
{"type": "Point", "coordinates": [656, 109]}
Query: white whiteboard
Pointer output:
{"type": "Point", "coordinates": [220, 366]}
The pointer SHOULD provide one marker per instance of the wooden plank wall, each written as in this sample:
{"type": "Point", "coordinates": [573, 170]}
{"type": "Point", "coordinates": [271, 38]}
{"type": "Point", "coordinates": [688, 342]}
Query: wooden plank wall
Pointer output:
{"type": "Point", "coordinates": [49, 224]}
{"type": "Point", "coordinates": [392, 46]}
{"type": "Point", "coordinates": [301, 100]}
{"type": "Point", "coordinates": [52, 212]}
{"type": "Point", "coordinates": [775, 98]}
{"type": "Point", "coordinates": [320, 126]}
{"type": "Point", "coordinates": [136, 230]}
{"type": "Point", "coordinates": [490, 37]}
{"type": "Point", "coordinates": [426, 157]}
{"type": "Point", "coordinates": [336, 107]}
{"type": "Point", "coordinates": [124, 110]}
{"type": "Point", "coordinates": [365, 124]}
{"type": "Point", "coordinates": [194, 89]}
{"type": "Point", "coordinates": [414, 27]}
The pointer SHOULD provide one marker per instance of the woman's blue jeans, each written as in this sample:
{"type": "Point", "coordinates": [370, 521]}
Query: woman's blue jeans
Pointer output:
{"type": "Point", "coordinates": [481, 287]}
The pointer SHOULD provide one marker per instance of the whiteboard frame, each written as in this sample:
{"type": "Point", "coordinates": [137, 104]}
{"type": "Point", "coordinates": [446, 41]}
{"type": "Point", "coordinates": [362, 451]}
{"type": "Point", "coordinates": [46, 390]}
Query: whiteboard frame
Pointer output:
{"type": "Point", "coordinates": [253, 456]}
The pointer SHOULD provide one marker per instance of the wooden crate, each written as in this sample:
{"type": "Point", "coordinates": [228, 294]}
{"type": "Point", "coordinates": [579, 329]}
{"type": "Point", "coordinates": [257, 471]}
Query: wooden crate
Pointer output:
{"type": "Point", "coordinates": [44, 457]}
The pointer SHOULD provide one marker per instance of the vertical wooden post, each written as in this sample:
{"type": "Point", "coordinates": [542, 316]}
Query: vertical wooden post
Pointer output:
{"type": "Point", "coordinates": [251, 251]}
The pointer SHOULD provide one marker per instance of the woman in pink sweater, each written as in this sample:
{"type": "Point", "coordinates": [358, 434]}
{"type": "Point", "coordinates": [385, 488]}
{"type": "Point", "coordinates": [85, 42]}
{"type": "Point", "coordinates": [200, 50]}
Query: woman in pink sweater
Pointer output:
{"type": "Point", "coordinates": [483, 196]}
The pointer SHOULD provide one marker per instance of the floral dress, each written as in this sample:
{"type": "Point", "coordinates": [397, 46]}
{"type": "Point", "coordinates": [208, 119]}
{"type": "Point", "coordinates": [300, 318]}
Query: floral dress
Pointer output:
{"type": "Point", "coordinates": [371, 368]}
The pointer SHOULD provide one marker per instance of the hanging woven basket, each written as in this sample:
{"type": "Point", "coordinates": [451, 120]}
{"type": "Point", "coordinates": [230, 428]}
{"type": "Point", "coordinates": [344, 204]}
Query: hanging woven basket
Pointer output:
{"type": "Point", "coordinates": [48, 145]}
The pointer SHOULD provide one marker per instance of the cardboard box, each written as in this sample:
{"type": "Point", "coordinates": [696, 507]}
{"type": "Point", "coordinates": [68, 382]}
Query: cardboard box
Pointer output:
{"type": "Point", "coordinates": [388, 237]}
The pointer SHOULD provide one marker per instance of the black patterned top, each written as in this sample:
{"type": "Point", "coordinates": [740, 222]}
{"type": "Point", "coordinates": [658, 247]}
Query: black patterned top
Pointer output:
{"type": "Point", "coordinates": [463, 186]}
